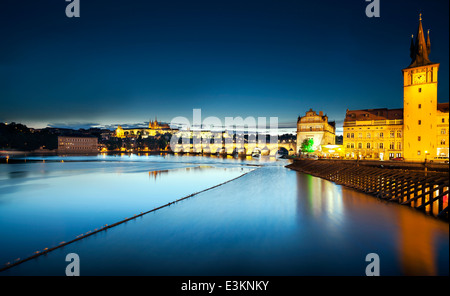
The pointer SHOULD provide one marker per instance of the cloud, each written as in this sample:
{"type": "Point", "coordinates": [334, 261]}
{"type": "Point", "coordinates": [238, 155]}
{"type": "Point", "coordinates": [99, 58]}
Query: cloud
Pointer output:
{"type": "Point", "coordinates": [75, 125]}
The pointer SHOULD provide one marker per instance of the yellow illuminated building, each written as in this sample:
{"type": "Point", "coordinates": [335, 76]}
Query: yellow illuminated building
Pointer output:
{"type": "Point", "coordinates": [419, 131]}
{"type": "Point", "coordinates": [373, 133]}
{"type": "Point", "coordinates": [420, 82]}
{"type": "Point", "coordinates": [315, 126]}
{"type": "Point", "coordinates": [442, 130]}
{"type": "Point", "coordinates": [154, 128]}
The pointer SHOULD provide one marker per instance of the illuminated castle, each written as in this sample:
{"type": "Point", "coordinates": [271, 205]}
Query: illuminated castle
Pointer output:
{"type": "Point", "coordinates": [156, 125]}
{"type": "Point", "coordinates": [154, 128]}
{"type": "Point", "coordinates": [417, 132]}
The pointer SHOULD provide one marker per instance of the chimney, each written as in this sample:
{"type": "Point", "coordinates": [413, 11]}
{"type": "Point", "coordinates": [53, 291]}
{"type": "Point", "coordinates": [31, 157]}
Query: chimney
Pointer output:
{"type": "Point", "coordinates": [320, 113]}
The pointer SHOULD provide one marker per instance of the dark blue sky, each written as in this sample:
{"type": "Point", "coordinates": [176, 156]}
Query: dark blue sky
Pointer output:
{"type": "Point", "coordinates": [129, 61]}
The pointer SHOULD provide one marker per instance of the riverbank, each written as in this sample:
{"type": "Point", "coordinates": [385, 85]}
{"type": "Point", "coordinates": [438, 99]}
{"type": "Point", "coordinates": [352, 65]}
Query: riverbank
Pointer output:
{"type": "Point", "coordinates": [390, 164]}
{"type": "Point", "coordinates": [422, 186]}
{"type": "Point", "coordinates": [25, 153]}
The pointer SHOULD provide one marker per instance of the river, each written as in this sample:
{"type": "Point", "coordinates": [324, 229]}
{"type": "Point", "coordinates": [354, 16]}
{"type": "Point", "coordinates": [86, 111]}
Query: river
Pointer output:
{"type": "Point", "coordinates": [269, 220]}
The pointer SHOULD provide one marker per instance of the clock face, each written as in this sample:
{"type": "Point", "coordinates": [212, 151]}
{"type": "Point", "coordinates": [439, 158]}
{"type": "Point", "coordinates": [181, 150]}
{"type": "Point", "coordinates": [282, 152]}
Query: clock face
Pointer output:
{"type": "Point", "coordinates": [419, 78]}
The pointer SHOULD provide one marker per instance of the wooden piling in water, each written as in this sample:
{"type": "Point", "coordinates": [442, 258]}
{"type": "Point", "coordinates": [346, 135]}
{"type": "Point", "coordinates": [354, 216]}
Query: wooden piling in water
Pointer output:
{"type": "Point", "coordinates": [403, 185]}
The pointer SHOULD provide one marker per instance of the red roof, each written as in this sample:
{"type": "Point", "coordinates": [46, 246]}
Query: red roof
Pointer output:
{"type": "Point", "coordinates": [443, 107]}
{"type": "Point", "coordinates": [374, 114]}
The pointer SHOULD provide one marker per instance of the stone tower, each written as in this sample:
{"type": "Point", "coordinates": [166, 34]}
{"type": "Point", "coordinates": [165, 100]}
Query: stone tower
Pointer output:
{"type": "Point", "coordinates": [420, 80]}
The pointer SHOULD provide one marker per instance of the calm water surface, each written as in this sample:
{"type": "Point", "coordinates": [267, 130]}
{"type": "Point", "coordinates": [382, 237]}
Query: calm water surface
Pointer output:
{"type": "Point", "coordinates": [271, 221]}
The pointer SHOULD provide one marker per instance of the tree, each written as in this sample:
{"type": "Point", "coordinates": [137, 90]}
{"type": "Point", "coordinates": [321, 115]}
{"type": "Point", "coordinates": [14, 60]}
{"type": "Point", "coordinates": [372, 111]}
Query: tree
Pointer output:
{"type": "Point", "coordinates": [307, 146]}
{"type": "Point", "coordinates": [19, 137]}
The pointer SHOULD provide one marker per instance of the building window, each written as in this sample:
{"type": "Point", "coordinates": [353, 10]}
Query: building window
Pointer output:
{"type": "Point", "coordinates": [381, 135]}
{"type": "Point", "coordinates": [359, 145]}
{"type": "Point", "coordinates": [443, 131]}
{"type": "Point", "coordinates": [420, 90]}
{"type": "Point", "coordinates": [443, 142]}
{"type": "Point", "coordinates": [392, 134]}
{"type": "Point", "coordinates": [419, 138]}
{"type": "Point", "coordinates": [348, 135]}
{"type": "Point", "coordinates": [418, 152]}
{"type": "Point", "coordinates": [443, 120]}
{"type": "Point", "coordinates": [392, 146]}
{"type": "Point", "coordinates": [360, 135]}
{"type": "Point", "coordinates": [353, 145]}
{"type": "Point", "coordinates": [399, 134]}
{"type": "Point", "coordinates": [420, 122]}
{"type": "Point", "coordinates": [368, 146]}
{"type": "Point", "coordinates": [353, 135]}
{"type": "Point", "coordinates": [399, 146]}
{"type": "Point", "coordinates": [420, 106]}
{"type": "Point", "coordinates": [381, 145]}
{"type": "Point", "coordinates": [368, 135]}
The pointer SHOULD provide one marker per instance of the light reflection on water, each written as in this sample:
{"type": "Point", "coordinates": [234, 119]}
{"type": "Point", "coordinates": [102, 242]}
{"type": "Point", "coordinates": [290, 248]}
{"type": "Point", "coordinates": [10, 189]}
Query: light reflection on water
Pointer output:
{"type": "Point", "coordinates": [272, 221]}
{"type": "Point", "coordinates": [164, 158]}
{"type": "Point", "coordinates": [45, 203]}
{"type": "Point", "coordinates": [411, 242]}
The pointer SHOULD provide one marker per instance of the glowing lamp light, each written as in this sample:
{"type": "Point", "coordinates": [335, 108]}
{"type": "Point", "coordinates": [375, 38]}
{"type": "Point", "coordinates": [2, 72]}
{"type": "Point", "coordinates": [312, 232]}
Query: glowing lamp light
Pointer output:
{"type": "Point", "coordinates": [331, 146]}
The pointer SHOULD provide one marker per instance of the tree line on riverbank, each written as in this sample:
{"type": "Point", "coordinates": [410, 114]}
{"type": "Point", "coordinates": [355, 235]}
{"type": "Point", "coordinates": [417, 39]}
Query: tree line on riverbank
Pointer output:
{"type": "Point", "coordinates": [17, 136]}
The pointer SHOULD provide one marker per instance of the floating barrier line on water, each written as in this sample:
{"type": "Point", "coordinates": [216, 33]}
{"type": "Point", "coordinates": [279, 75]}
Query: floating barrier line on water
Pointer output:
{"type": "Point", "coordinates": [106, 226]}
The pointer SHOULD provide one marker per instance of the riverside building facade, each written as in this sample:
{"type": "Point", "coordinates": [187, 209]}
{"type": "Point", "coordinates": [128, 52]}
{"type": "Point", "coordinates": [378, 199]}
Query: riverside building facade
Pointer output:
{"type": "Point", "coordinates": [418, 131]}
{"type": "Point", "coordinates": [316, 127]}
{"type": "Point", "coordinates": [75, 145]}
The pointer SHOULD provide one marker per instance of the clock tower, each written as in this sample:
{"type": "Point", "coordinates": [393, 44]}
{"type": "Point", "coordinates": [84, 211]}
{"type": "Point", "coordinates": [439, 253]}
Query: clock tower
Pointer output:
{"type": "Point", "coordinates": [420, 81]}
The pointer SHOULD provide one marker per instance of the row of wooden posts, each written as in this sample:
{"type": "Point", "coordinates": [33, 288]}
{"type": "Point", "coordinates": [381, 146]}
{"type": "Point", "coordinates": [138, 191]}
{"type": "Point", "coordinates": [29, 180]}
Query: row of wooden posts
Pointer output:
{"type": "Point", "coordinates": [424, 190]}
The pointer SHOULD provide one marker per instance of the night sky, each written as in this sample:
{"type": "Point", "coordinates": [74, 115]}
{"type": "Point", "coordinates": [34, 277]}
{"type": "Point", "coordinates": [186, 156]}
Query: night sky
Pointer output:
{"type": "Point", "coordinates": [125, 62]}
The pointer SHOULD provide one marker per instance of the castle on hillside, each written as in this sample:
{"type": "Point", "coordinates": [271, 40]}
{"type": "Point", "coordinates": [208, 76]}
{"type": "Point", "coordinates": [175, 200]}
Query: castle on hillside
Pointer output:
{"type": "Point", "coordinates": [154, 128]}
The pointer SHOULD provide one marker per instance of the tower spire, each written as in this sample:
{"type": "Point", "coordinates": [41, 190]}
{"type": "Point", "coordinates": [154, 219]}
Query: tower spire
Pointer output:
{"type": "Point", "coordinates": [421, 48]}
